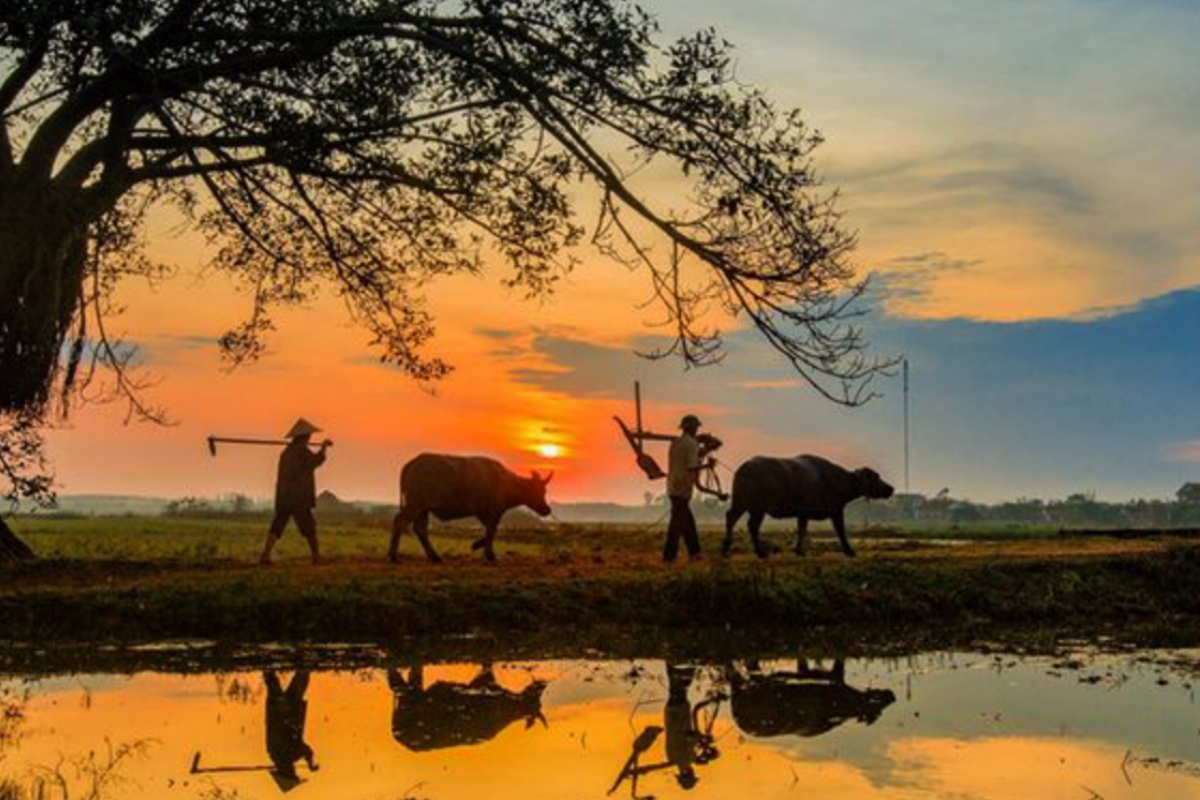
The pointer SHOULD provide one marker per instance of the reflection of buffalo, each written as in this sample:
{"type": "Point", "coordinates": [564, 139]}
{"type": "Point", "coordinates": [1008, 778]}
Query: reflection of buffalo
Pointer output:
{"type": "Point", "coordinates": [452, 714]}
{"type": "Point", "coordinates": [807, 702]}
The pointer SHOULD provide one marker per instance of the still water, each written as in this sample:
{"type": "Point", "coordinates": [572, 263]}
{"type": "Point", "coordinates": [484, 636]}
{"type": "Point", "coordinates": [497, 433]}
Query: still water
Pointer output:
{"type": "Point", "coordinates": [940, 725]}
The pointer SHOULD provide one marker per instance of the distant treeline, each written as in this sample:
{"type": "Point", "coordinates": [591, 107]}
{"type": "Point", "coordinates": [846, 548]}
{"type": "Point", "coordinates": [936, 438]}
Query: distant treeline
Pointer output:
{"type": "Point", "coordinates": [1076, 510]}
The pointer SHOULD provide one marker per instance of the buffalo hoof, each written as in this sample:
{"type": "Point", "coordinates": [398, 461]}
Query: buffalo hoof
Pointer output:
{"type": "Point", "coordinates": [850, 553]}
{"type": "Point", "coordinates": [478, 544]}
{"type": "Point", "coordinates": [490, 557]}
{"type": "Point", "coordinates": [726, 549]}
{"type": "Point", "coordinates": [762, 552]}
{"type": "Point", "coordinates": [394, 558]}
{"type": "Point", "coordinates": [435, 559]}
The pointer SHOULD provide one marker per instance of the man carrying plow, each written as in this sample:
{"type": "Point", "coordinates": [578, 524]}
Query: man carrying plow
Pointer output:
{"type": "Point", "coordinates": [689, 461]}
{"type": "Point", "coordinates": [685, 462]}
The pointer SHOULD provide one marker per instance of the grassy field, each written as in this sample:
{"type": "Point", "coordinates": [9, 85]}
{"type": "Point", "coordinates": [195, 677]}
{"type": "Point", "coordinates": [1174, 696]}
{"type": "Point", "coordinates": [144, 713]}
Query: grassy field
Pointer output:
{"type": "Point", "coordinates": [139, 579]}
{"type": "Point", "coordinates": [241, 538]}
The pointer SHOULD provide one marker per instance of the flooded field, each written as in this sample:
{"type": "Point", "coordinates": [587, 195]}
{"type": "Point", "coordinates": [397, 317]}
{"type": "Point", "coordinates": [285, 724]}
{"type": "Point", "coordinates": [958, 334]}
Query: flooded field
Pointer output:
{"type": "Point", "coordinates": [938, 725]}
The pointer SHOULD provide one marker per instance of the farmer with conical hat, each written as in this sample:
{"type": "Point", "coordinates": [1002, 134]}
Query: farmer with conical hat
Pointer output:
{"type": "Point", "coordinates": [296, 488]}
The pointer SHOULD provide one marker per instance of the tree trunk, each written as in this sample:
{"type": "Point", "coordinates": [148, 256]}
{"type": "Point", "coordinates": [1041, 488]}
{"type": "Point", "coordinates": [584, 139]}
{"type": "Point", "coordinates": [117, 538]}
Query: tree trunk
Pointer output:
{"type": "Point", "coordinates": [43, 253]}
{"type": "Point", "coordinates": [12, 548]}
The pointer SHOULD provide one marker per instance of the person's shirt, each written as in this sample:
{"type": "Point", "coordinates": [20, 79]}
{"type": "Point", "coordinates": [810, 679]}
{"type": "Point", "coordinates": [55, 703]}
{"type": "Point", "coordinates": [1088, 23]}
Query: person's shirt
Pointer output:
{"type": "Point", "coordinates": [296, 486]}
{"type": "Point", "coordinates": [683, 461]}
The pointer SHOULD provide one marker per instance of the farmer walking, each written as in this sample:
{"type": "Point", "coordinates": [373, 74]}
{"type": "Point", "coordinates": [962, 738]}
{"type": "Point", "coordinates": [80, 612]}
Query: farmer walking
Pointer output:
{"type": "Point", "coordinates": [683, 471]}
{"type": "Point", "coordinates": [296, 488]}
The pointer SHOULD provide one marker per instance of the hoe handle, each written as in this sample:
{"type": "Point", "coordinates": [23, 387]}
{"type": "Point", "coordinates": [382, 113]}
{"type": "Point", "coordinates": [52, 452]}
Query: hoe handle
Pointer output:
{"type": "Point", "coordinates": [213, 440]}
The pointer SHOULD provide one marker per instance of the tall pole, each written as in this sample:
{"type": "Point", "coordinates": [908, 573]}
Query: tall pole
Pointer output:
{"type": "Point", "coordinates": [906, 486]}
{"type": "Point", "coordinates": [637, 402]}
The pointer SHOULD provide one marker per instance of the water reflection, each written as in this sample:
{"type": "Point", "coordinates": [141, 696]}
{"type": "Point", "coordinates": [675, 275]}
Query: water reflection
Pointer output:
{"type": "Point", "coordinates": [942, 725]}
{"type": "Point", "coordinates": [450, 714]}
{"type": "Point", "coordinates": [806, 701]}
{"type": "Point", "coordinates": [286, 713]}
{"type": "Point", "coordinates": [689, 741]}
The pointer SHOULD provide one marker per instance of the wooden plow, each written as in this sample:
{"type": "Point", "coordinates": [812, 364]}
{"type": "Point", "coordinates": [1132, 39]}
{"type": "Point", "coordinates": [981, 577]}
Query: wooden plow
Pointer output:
{"type": "Point", "coordinates": [709, 482]}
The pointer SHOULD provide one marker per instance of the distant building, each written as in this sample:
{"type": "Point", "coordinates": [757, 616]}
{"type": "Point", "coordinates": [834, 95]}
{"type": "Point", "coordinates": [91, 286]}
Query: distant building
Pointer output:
{"type": "Point", "coordinates": [1188, 493]}
{"type": "Point", "coordinates": [329, 501]}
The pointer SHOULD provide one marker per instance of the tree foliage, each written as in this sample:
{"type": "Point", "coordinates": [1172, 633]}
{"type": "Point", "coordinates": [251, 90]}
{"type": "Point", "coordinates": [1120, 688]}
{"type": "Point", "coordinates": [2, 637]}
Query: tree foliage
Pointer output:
{"type": "Point", "coordinates": [373, 145]}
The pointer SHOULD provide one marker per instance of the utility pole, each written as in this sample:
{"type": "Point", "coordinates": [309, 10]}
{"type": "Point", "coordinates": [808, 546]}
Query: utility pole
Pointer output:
{"type": "Point", "coordinates": [906, 486]}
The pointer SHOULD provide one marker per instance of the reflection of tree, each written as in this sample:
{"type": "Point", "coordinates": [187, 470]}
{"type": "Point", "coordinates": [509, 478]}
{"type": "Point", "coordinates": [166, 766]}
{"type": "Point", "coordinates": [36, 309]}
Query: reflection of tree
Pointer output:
{"type": "Point", "coordinates": [12, 717]}
{"type": "Point", "coordinates": [234, 689]}
{"type": "Point", "coordinates": [88, 777]}
{"type": "Point", "coordinates": [12, 721]}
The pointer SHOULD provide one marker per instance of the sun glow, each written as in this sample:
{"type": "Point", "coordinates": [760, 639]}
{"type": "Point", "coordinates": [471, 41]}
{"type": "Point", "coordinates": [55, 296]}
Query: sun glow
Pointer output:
{"type": "Point", "coordinates": [549, 450]}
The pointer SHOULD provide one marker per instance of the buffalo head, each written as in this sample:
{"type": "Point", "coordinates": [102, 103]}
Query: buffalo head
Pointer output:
{"type": "Point", "coordinates": [874, 701]}
{"type": "Point", "coordinates": [535, 496]}
{"type": "Point", "coordinates": [872, 486]}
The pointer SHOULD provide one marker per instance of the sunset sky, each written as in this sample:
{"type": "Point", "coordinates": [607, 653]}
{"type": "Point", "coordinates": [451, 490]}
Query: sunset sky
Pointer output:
{"type": "Point", "coordinates": [1023, 178]}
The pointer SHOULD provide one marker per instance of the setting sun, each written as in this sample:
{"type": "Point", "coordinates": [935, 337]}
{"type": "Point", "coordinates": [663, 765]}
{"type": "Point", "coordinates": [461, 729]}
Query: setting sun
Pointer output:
{"type": "Point", "coordinates": [549, 450]}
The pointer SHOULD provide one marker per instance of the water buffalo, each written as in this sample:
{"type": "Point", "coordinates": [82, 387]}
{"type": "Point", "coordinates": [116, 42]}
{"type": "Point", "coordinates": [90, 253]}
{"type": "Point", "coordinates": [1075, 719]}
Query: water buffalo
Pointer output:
{"type": "Point", "coordinates": [454, 714]}
{"type": "Point", "coordinates": [456, 487]}
{"type": "Point", "coordinates": [804, 487]}
{"type": "Point", "coordinates": [807, 702]}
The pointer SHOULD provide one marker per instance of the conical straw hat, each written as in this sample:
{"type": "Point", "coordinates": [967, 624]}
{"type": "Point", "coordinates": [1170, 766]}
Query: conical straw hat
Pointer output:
{"type": "Point", "coordinates": [286, 781]}
{"type": "Point", "coordinates": [301, 427]}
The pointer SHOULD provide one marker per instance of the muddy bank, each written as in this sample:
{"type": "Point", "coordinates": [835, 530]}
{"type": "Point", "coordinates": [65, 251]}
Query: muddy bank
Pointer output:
{"type": "Point", "coordinates": [916, 596]}
{"type": "Point", "coordinates": [34, 659]}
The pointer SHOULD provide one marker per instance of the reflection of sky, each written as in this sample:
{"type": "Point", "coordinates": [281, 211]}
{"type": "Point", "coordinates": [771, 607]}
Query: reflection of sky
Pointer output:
{"type": "Point", "coordinates": [1007, 166]}
{"type": "Point", "coordinates": [962, 726]}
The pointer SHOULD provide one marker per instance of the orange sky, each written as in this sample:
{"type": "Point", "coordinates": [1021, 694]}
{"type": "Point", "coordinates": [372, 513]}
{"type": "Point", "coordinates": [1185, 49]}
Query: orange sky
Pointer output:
{"type": "Point", "coordinates": [964, 208]}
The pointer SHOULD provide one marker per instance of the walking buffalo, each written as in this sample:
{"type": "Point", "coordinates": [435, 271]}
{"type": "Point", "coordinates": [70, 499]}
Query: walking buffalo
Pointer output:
{"type": "Point", "coordinates": [804, 488]}
{"type": "Point", "coordinates": [456, 487]}
{"type": "Point", "coordinates": [448, 714]}
{"type": "Point", "coordinates": [807, 702]}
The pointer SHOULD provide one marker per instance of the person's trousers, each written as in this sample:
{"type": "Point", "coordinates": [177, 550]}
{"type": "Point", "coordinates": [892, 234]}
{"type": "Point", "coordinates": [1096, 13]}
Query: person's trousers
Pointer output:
{"type": "Point", "coordinates": [682, 525]}
{"type": "Point", "coordinates": [305, 521]}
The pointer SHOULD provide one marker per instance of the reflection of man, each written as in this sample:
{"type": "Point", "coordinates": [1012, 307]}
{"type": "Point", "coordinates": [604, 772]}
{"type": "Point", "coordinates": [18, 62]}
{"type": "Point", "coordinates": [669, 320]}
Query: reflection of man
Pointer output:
{"type": "Point", "coordinates": [677, 719]}
{"type": "Point", "coordinates": [683, 471]}
{"type": "Point", "coordinates": [296, 489]}
{"type": "Point", "coordinates": [686, 744]}
{"type": "Point", "coordinates": [286, 712]}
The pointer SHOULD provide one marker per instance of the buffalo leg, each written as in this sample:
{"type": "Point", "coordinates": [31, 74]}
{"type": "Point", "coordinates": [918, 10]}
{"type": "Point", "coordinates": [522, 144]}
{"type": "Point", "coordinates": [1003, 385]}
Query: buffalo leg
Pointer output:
{"type": "Point", "coordinates": [421, 526]}
{"type": "Point", "coordinates": [489, 551]}
{"type": "Point", "coordinates": [731, 520]}
{"type": "Point", "coordinates": [756, 521]}
{"type": "Point", "coordinates": [839, 525]}
{"type": "Point", "coordinates": [481, 542]}
{"type": "Point", "coordinates": [399, 523]}
{"type": "Point", "coordinates": [801, 535]}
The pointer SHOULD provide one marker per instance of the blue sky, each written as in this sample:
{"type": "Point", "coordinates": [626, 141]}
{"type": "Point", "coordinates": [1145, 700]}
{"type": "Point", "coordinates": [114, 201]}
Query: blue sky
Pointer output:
{"type": "Point", "coordinates": [1041, 408]}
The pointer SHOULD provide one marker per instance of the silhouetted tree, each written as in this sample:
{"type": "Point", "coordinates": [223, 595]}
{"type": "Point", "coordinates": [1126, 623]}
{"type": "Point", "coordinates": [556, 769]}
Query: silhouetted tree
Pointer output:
{"type": "Point", "coordinates": [23, 471]}
{"type": "Point", "coordinates": [1188, 493]}
{"type": "Point", "coordinates": [374, 144]}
